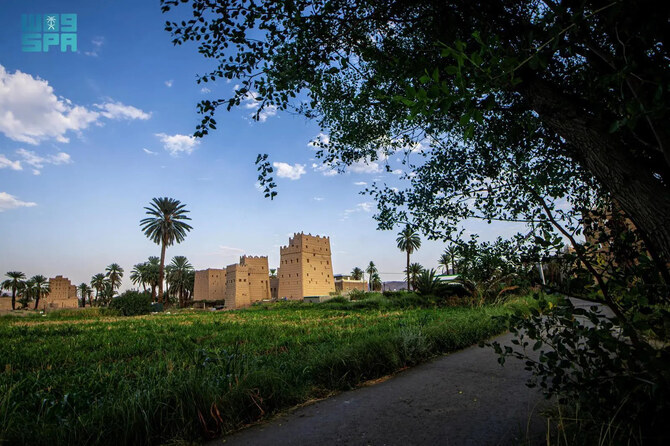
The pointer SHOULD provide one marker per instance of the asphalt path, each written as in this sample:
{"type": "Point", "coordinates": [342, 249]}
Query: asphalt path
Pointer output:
{"type": "Point", "coordinates": [464, 398]}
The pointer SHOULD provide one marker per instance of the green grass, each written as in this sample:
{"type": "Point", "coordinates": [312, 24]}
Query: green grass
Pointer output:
{"type": "Point", "coordinates": [90, 377]}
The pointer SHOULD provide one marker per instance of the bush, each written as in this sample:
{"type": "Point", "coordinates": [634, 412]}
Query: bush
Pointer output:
{"type": "Point", "coordinates": [614, 390]}
{"type": "Point", "coordinates": [132, 303]}
{"type": "Point", "coordinates": [356, 294]}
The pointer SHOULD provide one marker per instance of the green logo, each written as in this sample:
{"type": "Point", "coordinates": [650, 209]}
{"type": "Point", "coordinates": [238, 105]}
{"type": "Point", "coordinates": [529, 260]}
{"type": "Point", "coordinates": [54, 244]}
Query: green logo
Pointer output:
{"type": "Point", "coordinates": [40, 32]}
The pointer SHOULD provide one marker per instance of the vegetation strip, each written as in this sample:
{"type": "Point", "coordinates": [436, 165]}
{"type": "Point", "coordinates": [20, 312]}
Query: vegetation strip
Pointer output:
{"type": "Point", "coordinates": [97, 379]}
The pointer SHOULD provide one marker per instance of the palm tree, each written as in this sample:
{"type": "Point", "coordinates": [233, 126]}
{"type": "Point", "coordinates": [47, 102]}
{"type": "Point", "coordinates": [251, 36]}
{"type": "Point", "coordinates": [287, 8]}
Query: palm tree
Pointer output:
{"type": "Point", "coordinates": [190, 284]}
{"type": "Point", "coordinates": [376, 282]}
{"type": "Point", "coordinates": [41, 287]}
{"type": "Point", "coordinates": [139, 275]}
{"type": "Point", "coordinates": [452, 252]}
{"type": "Point", "coordinates": [273, 273]}
{"type": "Point", "coordinates": [427, 282]}
{"type": "Point", "coordinates": [179, 277]}
{"type": "Point", "coordinates": [152, 274]}
{"type": "Point", "coordinates": [443, 261]}
{"type": "Point", "coordinates": [107, 292]}
{"type": "Point", "coordinates": [414, 270]}
{"type": "Point", "coordinates": [357, 273]}
{"type": "Point", "coordinates": [408, 240]}
{"type": "Point", "coordinates": [114, 274]}
{"type": "Point", "coordinates": [98, 282]}
{"type": "Point", "coordinates": [13, 283]}
{"type": "Point", "coordinates": [89, 293]}
{"type": "Point", "coordinates": [371, 270]}
{"type": "Point", "coordinates": [28, 291]}
{"type": "Point", "coordinates": [84, 290]}
{"type": "Point", "coordinates": [165, 226]}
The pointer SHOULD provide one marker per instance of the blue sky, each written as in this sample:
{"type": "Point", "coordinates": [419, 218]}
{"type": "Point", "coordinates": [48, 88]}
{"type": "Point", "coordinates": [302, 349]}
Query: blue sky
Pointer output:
{"type": "Point", "coordinates": [88, 138]}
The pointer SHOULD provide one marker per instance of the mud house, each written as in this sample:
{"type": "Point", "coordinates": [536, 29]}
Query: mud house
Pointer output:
{"type": "Point", "coordinates": [305, 268]}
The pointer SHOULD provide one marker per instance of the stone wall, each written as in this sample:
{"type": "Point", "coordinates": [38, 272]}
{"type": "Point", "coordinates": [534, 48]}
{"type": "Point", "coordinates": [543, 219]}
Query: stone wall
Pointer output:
{"type": "Point", "coordinates": [62, 294]}
{"type": "Point", "coordinates": [259, 277]}
{"type": "Point", "coordinates": [237, 286]}
{"type": "Point", "coordinates": [344, 286]}
{"type": "Point", "coordinates": [274, 287]}
{"type": "Point", "coordinates": [210, 284]}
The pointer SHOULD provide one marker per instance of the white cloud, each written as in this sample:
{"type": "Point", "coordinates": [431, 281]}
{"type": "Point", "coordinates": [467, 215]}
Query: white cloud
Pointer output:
{"type": "Point", "coordinates": [38, 161]}
{"type": "Point", "coordinates": [97, 45]}
{"type": "Point", "coordinates": [30, 112]}
{"type": "Point", "coordinates": [8, 201]}
{"type": "Point", "coordinates": [321, 139]}
{"type": "Point", "coordinates": [361, 166]}
{"type": "Point", "coordinates": [148, 152]}
{"type": "Point", "coordinates": [318, 198]}
{"type": "Point", "coordinates": [230, 249]}
{"type": "Point", "coordinates": [361, 183]}
{"type": "Point", "coordinates": [268, 112]}
{"type": "Point", "coordinates": [177, 144]}
{"type": "Point", "coordinates": [326, 169]}
{"type": "Point", "coordinates": [292, 172]}
{"type": "Point", "coordinates": [168, 83]}
{"type": "Point", "coordinates": [117, 110]}
{"type": "Point", "coordinates": [365, 166]}
{"type": "Point", "coordinates": [251, 101]}
{"type": "Point", "coordinates": [205, 90]}
{"type": "Point", "coordinates": [7, 163]}
{"type": "Point", "coordinates": [396, 172]}
{"type": "Point", "coordinates": [365, 206]}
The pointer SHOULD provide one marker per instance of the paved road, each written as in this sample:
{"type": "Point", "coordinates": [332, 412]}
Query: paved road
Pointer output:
{"type": "Point", "coordinates": [465, 398]}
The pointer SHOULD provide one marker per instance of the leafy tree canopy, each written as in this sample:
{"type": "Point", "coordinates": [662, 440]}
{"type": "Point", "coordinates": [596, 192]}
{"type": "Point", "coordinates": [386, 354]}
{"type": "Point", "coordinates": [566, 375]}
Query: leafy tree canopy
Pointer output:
{"type": "Point", "coordinates": [503, 110]}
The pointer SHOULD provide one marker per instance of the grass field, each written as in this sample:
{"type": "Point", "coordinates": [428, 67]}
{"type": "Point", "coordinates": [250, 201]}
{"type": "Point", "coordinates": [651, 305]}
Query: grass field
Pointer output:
{"type": "Point", "coordinates": [82, 377]}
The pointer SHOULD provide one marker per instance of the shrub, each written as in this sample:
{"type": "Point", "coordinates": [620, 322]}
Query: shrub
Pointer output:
{"type": "Point", "coordinates": [615, 391]}
{"type": "Point", "coordinates": [427, 283]}
{"type": "Point", "coordinates": [132, 303]}
{"type": "Point", "coordinates": [356, 294]}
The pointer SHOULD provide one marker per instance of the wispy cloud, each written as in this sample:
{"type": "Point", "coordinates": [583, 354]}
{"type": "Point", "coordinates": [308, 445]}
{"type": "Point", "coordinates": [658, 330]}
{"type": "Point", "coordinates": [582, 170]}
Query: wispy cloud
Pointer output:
{"type": "Point", "coordinates": [168, 83]}
{"type": "Point", "coordinates": [117, 110]}
{"type": "Point", "coordinates": [205, 90]}
{"type": "Point", "coordinates": [149, 152]}
{"type": "Point", "coordinates": [361, 183]}
{"type": "Point", "coordinates": [97, 43]}
{"type": "Point", "coordinates": [7, 163]}
{"type": "Point", "coordinates": [37, 162]}
{"type": "Point", "coordinates": [8, 202]}
{"type": "Point", "coordinates": [365, 206]}
{"type": "Point", "coordinates": [318, 198]}
{"type": "Point", "coordinates": [252, 101]}
{"type": "Point", "coordinates": [325, 169]}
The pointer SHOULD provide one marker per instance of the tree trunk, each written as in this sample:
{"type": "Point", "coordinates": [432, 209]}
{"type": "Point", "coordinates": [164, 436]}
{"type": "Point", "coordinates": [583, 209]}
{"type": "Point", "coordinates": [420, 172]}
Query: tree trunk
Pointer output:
{"type": "Point", "coordinates": [13, 298]}
{"type": "Point", "coordinates": [161, 273]}
{"type": "Point", "coordinates": [37, 300]}
{"type": "Point", "coordinates": [630, 181]}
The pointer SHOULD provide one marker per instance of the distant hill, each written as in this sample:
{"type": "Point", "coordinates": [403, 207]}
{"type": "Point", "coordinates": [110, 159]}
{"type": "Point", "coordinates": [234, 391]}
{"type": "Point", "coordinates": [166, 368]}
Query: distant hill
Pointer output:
{"type": "Point", "coordinates": [394, 285]}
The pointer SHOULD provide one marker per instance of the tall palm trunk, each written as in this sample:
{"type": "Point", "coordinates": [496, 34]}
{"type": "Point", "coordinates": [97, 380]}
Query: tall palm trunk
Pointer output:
{"type": "Point", "coordinates": [13, 298]}
{"type": "Point", "coordinates": [408, 270]}
{"type": "Point", "coordinates": [161, 273]}
{"type": "Point", "coordinates": [37, 300]}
